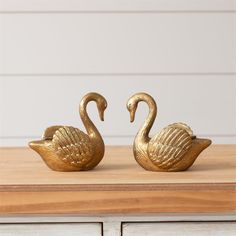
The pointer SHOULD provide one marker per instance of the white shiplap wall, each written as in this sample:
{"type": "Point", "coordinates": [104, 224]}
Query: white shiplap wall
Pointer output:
{"type": "Point", "coordinates": [53, 52]}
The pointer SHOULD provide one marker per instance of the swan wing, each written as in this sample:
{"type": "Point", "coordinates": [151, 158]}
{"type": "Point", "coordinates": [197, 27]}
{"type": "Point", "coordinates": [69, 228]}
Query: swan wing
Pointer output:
{"type": "Point", "coordinates": [169, 146]}
{"type": "Point", "coordinates": [73, 146]}
{"type": "Point", "coordinates": [183, 126]}
{"type": "Point", "coordinates": [50, 131]}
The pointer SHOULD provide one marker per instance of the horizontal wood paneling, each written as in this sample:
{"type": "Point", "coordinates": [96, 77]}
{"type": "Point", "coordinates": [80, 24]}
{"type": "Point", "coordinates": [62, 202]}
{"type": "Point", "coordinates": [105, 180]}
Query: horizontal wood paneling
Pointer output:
{"type": "Point", "coordinates": [113, 5]}
{"type": "Point", "coordinates": [117, 43]}
{"type": "Point", "coordinates": [60, 229]}
{"type": "Point", "coordinates": [30, 104]}
{"type": "Point", "coordinates": [67, 48]}
{"type": "Point", "coordinates": [184, 228]}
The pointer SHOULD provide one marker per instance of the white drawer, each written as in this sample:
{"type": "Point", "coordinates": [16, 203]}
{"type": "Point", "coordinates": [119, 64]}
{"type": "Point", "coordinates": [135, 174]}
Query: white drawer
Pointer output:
{"type": "Point", "coordinates": [180, 228]}
{"type": "Point", "coordinates": [51, 229]}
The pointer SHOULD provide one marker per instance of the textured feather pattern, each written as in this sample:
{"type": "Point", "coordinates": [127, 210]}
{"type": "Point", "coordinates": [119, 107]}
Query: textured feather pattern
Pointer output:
{"type": "Point", "coordinates": [73, 146]}
{"type": "Point", "coordinates": [183, 126]}
{"type": "Point", "coordinates": [169, 146]}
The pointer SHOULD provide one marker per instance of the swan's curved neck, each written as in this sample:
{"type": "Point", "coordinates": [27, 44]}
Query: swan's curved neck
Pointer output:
{"type": "Point", "coordinates": [89, 125]}
{"type": "Point", "coordinates": [143, 134]}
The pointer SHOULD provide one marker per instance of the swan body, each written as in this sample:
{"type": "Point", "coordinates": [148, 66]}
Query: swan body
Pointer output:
{"type": "Point", "coordinates": [174, 148]}
{"type": "Point", "coordinates": [65, 148]}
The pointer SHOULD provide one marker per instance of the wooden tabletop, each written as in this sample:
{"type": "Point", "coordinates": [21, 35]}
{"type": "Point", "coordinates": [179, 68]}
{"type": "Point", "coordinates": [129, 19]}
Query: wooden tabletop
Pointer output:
{"type": "Point", "coordinates": [117, 185]}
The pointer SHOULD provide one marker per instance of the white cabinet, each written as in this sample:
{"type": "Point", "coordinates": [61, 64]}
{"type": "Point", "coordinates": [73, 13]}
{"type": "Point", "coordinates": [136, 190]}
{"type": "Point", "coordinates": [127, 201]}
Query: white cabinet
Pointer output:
{"type": "Point", "coordinates": [53, 229]}
{"type": "Point", "coordinates": [180, 228]}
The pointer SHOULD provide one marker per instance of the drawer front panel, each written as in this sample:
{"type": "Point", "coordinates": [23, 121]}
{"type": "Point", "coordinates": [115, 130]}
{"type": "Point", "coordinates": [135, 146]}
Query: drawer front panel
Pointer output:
{"type": "Point", "coordinates": [183, 229]}
{"type": "Point", "coordinates": [62, 229]}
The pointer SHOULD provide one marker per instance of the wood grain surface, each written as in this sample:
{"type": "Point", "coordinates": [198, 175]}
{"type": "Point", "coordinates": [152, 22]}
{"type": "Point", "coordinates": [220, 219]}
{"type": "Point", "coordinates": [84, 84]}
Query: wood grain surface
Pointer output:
{"type": "Point", "coordinates": [117, 185]}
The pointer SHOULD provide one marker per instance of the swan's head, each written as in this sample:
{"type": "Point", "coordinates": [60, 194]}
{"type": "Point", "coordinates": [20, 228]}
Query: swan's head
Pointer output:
{"type": "Point", "coordinates": [133, 101]}
{"type": "Point", "coordinates": [102, 105]}
{"type": "Point", "coordinates": [132, 105]}
{"type": "Point", "coordinates": [100, 101]}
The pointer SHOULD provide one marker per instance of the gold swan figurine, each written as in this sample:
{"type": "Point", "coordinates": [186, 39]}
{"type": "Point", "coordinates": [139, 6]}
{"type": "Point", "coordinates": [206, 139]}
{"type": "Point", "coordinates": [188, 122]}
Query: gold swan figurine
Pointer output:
{"type": "Point", "coordinates": [174, 148]}
{"type": "Point", "coordinates": [65, 148]}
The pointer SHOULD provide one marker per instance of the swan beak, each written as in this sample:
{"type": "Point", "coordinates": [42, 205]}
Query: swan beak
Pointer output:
{"type": "Point", "coordinates": [101, 114]}
{"type": "Point", "coordinates": [132, 115]}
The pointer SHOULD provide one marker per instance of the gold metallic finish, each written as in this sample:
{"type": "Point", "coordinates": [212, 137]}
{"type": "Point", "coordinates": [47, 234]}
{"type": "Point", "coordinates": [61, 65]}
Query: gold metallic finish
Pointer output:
{"type": "Point", "coordinates": [65, 148]}
{"type": "Point", "coordinates": [174, 148]}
